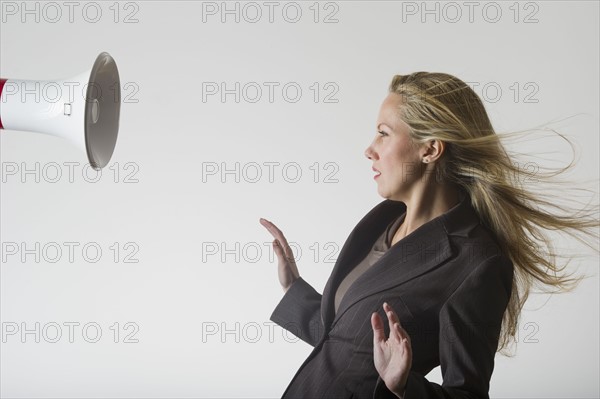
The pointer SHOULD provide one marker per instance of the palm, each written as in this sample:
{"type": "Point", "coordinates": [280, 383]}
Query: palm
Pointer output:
{"type": "Point", "coordinates": [392, 356]}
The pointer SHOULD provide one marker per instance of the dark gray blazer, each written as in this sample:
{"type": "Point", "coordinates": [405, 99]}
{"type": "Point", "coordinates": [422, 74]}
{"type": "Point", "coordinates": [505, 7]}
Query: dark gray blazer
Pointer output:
{"type": "Point", "coordinates": [448, 282]}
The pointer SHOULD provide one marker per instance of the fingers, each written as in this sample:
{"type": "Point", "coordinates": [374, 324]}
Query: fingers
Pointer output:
{"type": "Point", "coordinates": [279, 237]}
{"type": "Point", "coordinates": [398, 339]}
{"type": "Point", "coordinates": [392, 317]}
{"type": "Point", "coordinates": [408, 346]}
{"type": "Point", "coordinates": [378, 331]}
{"type": "Point", "coordinates": [277, 248]}
{"type": "Point", "coordinates": [275, 232]}
{"type": "Point", "coordinates": [396, 329]}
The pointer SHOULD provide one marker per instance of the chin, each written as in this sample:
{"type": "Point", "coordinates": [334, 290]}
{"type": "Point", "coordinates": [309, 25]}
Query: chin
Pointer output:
{"type": "Point", "coordinates": [392, 196]}
{"type": "Point", "coordinates": [384, 194]}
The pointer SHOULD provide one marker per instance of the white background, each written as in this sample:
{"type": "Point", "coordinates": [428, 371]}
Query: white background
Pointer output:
{"type": "Point", "coordinates": [155, 192]}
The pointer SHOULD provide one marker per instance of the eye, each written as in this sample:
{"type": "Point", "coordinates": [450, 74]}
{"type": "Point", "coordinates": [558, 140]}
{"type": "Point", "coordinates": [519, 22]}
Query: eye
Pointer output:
{"type": "Point", "coordinates": [382, 133]}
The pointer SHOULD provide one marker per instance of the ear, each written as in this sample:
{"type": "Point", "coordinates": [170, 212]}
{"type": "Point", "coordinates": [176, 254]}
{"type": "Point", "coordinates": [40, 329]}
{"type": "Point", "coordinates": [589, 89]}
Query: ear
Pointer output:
{"type": "Point", "coordinates": [432, 150]}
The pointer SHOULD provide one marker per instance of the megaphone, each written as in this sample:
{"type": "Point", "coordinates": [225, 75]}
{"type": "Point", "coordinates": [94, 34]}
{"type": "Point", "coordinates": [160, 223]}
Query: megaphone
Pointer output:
{"type": "Point", "coordinates": [84, 109]}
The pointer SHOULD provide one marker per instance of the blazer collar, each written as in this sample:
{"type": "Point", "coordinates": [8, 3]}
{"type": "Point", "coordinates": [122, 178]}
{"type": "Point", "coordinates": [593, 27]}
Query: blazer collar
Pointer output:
{"type": "Point", "coordinates": [417, 253]}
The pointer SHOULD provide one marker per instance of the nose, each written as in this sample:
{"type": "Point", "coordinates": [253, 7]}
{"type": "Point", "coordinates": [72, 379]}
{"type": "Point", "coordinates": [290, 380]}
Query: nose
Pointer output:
{"type": "Point", "coordinates": [369, 152]}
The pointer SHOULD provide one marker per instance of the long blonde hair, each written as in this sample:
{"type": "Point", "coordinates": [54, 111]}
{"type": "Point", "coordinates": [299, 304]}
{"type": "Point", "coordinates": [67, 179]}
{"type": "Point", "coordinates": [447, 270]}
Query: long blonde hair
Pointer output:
{"type": "Point", "coordinates": [441, 106]}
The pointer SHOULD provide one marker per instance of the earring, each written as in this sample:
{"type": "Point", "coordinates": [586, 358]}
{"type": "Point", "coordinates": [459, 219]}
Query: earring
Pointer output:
{"type": "Point", "coordinates": [425, 160]}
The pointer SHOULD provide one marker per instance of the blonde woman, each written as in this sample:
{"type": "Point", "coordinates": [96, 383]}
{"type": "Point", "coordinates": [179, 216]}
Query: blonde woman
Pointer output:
{"type": "Point", "coordinates": [448, 258]}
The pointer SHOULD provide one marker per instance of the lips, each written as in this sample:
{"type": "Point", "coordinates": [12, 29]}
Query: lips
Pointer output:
{"type": "Point", "coordinates": [377, 173]}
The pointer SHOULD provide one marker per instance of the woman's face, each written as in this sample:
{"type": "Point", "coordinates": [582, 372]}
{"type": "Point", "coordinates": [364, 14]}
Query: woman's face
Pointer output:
{"type": "Point", "coordinates": [398, 161]}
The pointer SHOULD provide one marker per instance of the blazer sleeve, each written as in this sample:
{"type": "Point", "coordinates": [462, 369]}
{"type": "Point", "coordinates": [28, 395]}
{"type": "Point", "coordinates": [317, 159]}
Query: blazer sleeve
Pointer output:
{"type": "Point", "coordinates": [469, 330]}
{"type": "Point", "coordinates": [299, 312]}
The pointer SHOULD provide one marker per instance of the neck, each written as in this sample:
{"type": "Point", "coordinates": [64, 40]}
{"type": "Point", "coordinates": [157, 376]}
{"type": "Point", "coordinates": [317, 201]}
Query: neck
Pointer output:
{"type": "Point", "coordinates": [426, 203]}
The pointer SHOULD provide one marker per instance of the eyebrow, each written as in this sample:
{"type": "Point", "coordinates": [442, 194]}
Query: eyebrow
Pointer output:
{"type": "Point", "coordinates": [378, 126]}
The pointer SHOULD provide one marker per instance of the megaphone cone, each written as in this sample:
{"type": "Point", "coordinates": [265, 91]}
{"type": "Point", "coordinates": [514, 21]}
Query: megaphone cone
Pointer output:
{"type": "Point", "coordinates": [84, 109]}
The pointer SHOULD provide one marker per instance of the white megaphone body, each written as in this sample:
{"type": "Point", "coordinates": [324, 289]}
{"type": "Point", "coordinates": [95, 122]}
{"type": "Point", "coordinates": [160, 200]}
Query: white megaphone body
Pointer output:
{"type": "Point", "coordinates": [84, 109]}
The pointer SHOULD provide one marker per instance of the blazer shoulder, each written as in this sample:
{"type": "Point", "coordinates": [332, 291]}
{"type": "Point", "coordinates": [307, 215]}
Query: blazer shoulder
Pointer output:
{"type": "Point", "coordinates": [480, 246]}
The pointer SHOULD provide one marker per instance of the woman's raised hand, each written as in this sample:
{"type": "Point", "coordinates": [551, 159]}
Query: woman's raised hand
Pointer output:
{"type": "Point", "coordinates": [287, 269]}
{"type": "Point", "coordinates": [392, 357]}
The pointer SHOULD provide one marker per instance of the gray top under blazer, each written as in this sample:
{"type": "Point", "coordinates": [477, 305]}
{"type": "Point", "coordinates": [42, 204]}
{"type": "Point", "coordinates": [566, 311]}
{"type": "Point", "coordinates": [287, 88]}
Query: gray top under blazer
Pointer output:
{"type": "Point", "coordinates": [449, 283]}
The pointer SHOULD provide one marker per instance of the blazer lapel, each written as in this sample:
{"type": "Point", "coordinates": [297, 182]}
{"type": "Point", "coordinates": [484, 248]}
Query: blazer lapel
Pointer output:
{"type": "Point", "coordinates": [357, 245]}
{"type": "Point", "coordinates": [416, 254]}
